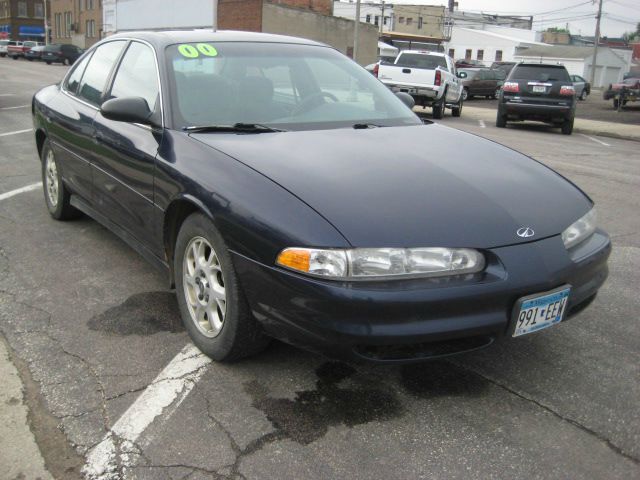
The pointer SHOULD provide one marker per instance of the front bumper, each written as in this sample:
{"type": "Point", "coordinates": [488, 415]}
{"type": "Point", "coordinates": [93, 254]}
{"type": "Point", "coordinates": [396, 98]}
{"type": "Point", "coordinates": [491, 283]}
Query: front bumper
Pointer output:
{"type": "Point", "coordinates": [410, 320]}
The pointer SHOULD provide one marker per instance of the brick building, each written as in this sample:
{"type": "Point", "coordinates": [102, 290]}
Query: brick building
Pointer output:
{"type": "Point", "coordinates": [22, 19]}
{"type": "Point", "coordinates": [76, 21]}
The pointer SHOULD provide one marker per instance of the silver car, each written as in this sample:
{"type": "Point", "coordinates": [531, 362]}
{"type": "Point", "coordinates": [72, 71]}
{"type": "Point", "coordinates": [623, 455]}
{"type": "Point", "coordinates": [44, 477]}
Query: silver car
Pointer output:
{"type": "Point", "coordinates": [581, 86]}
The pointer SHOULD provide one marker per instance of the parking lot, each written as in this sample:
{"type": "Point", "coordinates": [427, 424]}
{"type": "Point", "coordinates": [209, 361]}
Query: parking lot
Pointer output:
{"type": "Point", "coordinates": [115, 390]}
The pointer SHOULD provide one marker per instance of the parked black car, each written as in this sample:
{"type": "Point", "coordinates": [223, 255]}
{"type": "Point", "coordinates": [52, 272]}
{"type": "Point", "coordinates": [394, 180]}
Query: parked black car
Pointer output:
{"type": "Point", "coordinates": [63, 53]}
{"type": "Point", "coordinates": [479, 82]}
{"type": "Point", "coordinates": [286, 192]}
{"type": "Point", "coordinates": [538, 91]}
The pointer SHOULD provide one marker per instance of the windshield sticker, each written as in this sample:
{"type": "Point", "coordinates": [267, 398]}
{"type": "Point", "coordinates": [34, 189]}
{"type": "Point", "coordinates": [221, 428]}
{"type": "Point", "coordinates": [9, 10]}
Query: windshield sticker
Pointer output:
{"type": "Point", "coordinates": [189, 51]}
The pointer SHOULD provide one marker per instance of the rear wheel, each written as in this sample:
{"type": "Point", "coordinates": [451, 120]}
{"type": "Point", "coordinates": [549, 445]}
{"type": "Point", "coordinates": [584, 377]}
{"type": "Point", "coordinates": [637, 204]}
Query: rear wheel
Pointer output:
{"type": "Point", "coordinates": [567, 127]}
{"type": "Point", "coordinates": [48, 62]}
{"type": "Point", "coordinates": [456, 110]}
{"type": "Point", "coordinates": [583, 95]}
{"type": "Point", "coordinates": [501, 120]}
{"type": "Point", "coordinates": [465, 94]}
{"type": "Point", "coordinates": [56, 195]}
{"type": "Point", "coordinates": [212, 304]}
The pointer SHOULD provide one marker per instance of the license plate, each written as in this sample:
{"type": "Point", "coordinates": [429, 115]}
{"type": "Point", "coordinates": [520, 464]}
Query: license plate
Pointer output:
{"type": "Point", "coordinates": [539, 89]}
{"type": "Point", "coordinates": [541, 311]}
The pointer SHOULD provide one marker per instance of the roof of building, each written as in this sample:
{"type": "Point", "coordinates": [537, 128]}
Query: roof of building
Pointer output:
{"type": "Point", "coordinates": [556, 51]}
{"type": "Point", "coordinates": [499, 35]}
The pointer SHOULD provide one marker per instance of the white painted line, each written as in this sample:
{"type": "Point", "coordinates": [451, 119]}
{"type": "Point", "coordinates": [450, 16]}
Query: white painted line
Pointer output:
{"type": "Point", "coordinates": [16, 132]}
{"type": "Point", "coordinates": [162, 396]}
{"type": "Point", "coordinates": [13, 193]}
{"type": "Point", "coordinates": [7, 94]}
{"type": "Point", "coordinates": [482, 125]}
{"type": "Point", "coordinates": [595, 140]}
{"type": "Point", "coordinates": [15, 108]}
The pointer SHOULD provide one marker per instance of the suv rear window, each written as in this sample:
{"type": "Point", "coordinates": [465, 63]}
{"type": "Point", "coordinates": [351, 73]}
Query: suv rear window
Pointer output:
{"type": "Point", "coordinates": [541, 73]}
{"type": "Point", "coordinates": [416, 60]}
{"type": "Point", "coordinates": [52, 48]}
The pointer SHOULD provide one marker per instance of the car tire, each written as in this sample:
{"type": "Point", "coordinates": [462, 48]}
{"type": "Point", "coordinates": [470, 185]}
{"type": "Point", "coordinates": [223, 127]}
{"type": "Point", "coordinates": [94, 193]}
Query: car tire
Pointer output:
{"type": "Point", "coordinates": [465, 94]}
{"type": "Point", "coordinates": [48, 62]}
{"type": "Point", "coordinates": [212, 304]}
{"type": "Point", "coordinates": [501, 120]}
{"type": "Point", "coordinates": [14, 57]}
{"type": "Point", "coordinates": [456, 110]}
{"type": "Point", "coordinates": [56, 196]}
{"type": "Point", "coordinates": [583, 95]}
{"type": "Point", "coordinates": [616, 103]}
{"type": "Point", "coordinates": [567, 127]}
{"type": "Point", "coordinates": [496, 94]}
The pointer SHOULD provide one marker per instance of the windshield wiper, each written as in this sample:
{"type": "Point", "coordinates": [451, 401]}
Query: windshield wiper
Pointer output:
{"type": "Point", "coordinates": [236, 127]}
{"type": "Point", "coordinates": [363, 126]}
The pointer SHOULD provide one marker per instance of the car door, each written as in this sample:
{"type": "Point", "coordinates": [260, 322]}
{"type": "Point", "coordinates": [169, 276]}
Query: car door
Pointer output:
{"type": "Point", "coordinates": [124, 163]}
{"type": "Point", "coordinates": [454, 88]}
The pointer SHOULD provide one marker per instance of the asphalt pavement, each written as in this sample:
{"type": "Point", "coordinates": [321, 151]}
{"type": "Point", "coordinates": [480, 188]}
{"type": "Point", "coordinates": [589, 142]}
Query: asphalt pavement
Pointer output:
{"type": "Point", "coordinates": [114, 389]}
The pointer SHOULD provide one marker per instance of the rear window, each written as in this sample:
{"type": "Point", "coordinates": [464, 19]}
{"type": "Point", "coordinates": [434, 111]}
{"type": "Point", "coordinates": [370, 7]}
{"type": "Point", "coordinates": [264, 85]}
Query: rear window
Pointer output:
{"type": "Point", "coordinates": [52, 48]}
{"type": "Point", "coordinates": [541, 73]}
{"type": "Point", "coordinates": [416, 60]}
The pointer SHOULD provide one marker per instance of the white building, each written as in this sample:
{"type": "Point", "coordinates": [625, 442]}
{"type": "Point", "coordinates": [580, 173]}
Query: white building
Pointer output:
{"type": "Point", "coordinates": [611, 63]}
{"type": "Point", "coordinates": [491, 44]}
{"type": "Point", "coordinates": [372, 13]}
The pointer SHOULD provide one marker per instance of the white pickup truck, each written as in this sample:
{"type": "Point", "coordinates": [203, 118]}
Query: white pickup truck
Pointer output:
{"type": "Point", "coordinates": [429, 77]}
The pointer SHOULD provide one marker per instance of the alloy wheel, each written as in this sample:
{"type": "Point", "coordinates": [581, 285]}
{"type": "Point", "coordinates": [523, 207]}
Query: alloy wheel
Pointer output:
{"type": "Point", "coordinates": [51, 179]}
{"type": "Point", "coordinates": [204, 287]}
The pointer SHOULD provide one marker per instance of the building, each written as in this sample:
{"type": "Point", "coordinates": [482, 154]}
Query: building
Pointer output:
{"type": "Point", "coordinates": [22, 19]}
{"type": "Point", "coordinates": [424, 20]}
{"type": "Point", "coordinates": [301, 18]}
{"type": "Point", "coordinates": [494, 44]}
{"type": "Point", "coordinates": [78, 22]}
{"type": "Point", "coordinates": [611, 64]}
{"type": "Point", "coordinates": [482, 20]}
{"type": "Point", "coordinates": [378, 14]}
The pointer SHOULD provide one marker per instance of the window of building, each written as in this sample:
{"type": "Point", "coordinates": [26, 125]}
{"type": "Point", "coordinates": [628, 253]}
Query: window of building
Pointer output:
{"type": "Point", "coordinates": [480, 55]}
{"type": "Point", "coordinates": [498, 55]}
{"type": "Point", "coordinates": [97, 72]}
{"type": "Point", "coordinates": [57, 29]}
{"type": "Point", "coordinates": [409, 21]}
{"type": "Point", "coordinates": [368, 20]}
{"type": "Point", "coordinates": [137, 75]}
{"type": "Point", "coordinates": [89, 4]}
{"type": "Point", "coordinates": [91, 28]}
{"type": "Point", "coordinates": [400, 19]}
{"type": "Point", "coordinates": [376, 20]}
{"type": "Point", "coordinates": [22, 9]}
{"type": "Point", "coordinates": [467, 54]}
{"type": "Point", "coordinates": [452, 52]}
{"type": "Point", "coordinates": [419, 22]}
{"type": "Point", "coordinates": [38, 10]}
{"type": "Point", "coordinates": [385, 20]}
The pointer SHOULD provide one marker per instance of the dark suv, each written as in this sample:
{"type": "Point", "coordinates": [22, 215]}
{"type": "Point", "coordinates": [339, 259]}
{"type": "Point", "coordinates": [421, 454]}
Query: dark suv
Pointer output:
{"type": "Point", "coordinates": [61, 53]}
{"type": "Point", "coordinates": [538, 91]}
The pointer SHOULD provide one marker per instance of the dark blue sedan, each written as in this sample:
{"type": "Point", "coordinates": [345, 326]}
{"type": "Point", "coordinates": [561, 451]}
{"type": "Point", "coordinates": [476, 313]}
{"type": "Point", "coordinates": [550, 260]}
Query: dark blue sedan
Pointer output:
{"type": "Point", "coordinates": [287, 193]}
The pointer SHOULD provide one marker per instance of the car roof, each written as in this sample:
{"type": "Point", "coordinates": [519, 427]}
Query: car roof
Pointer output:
{"type": "Point", "coordinates": [161, 39]}
{"type": "Point", "coordinates": [546, 65]}
{"type": "Point", "coordinates": [425, 52]}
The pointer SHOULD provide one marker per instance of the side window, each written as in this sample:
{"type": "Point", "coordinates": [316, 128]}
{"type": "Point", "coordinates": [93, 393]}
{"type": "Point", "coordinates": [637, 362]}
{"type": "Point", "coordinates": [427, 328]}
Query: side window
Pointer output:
{"type": "Point", "coordinates": [137, 75]}
{"type": "Point", "coordinates": [73, 80]}
{"type": "Point", "coordinates": [97, 72]}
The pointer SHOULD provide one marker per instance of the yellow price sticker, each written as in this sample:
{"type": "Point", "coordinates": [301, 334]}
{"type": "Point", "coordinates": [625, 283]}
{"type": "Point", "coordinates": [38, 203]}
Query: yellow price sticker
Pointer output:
{"type": "Point", "coordinates": [189, 51]}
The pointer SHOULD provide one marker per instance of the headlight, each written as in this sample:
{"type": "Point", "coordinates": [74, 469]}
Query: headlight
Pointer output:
{"type": "Point", "coordinates": [580, 230]}
{"type": "Point", "coordinates": [371, 263]}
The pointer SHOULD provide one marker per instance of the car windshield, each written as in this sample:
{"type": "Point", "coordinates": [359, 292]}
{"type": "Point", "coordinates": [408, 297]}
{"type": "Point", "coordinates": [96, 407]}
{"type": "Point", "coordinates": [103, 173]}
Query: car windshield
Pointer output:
{"type": "Point", "coordinates": [541, 73]}
{"type": "Point", "coordinates": [293, 87]}
{"type": "Point", "coordinates": [421, 60]}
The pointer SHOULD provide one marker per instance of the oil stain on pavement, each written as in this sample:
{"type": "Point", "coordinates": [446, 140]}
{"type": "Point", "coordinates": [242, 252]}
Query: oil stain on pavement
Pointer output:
{"type": "Point", "coordinates": [308, 417]}
{"type": "Point", "coordinates": [141, 314]}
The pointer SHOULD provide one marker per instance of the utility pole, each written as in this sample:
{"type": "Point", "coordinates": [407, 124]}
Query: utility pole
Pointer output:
{"type": "Point", "coordinates": [382, 18]}
{"type": "Point", "coordinates": [596, 40]}
{"type": "Point", "coordinates": [356, 32]}
{"type": "Point", "coordinates": [46, 23]}
{"type": "Point", "coordinates": [215, 15]}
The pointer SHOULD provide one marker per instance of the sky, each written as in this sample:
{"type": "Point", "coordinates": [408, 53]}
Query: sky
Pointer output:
{"type": "Point", "coordinates": [619, 16]}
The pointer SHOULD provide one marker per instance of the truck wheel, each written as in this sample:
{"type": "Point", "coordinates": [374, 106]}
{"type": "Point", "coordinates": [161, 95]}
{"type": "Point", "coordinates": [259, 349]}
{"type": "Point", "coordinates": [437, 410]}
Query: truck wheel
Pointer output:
{"type": "Point", "coordinates": [465, 94]}
{"type": "Point", "coordinates": [567, 127]}
{"type": "Point", "coordinates": [456, 110]}
{"type": "Point", "coordinates": [438, 111]}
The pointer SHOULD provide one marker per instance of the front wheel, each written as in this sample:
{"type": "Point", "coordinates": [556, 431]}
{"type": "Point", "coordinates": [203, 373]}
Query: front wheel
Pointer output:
{"type": "Point", "coordinates": [48, 62]}
{"type": "Point", "coordinates": [501, 120]}
{"type": "Point", "coordinates": [212, 304]}
{"type": "Point", "coordinates": [583, 95]}
{"type": "Point", "coordinates": [465, 94]}
{"type": "Point", "coordinates": [456, 110]}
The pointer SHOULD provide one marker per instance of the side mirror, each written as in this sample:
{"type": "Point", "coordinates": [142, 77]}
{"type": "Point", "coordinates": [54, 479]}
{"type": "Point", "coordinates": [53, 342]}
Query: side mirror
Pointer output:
{"type": "Point", "coordinates": [127, 109]}
{"type": "Point", "coordinates": [462, 74]}
{"type": "Point", "coordinates": [406, 99]}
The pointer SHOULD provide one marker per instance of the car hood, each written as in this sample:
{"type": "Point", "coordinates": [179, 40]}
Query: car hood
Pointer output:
{"type": "Point", "coordinates": [416, 186]}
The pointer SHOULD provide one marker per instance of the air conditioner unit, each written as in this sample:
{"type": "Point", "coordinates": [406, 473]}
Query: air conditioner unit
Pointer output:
{"type": "Point", "coordinates": [74, 27]}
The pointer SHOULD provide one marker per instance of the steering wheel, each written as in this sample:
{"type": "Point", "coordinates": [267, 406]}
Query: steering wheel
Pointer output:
{"type": "Point", "coordinates": [309, 103]}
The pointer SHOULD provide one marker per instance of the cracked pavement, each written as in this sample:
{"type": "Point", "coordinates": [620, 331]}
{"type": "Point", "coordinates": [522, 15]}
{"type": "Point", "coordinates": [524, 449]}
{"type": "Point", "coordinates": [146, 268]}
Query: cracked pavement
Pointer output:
{"type": "Point", "coordinates": [91, 326]}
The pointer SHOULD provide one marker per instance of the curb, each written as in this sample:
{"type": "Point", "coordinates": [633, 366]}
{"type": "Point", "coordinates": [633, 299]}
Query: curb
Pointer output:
{"type": "Point", "coordinates": [601, 133]}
